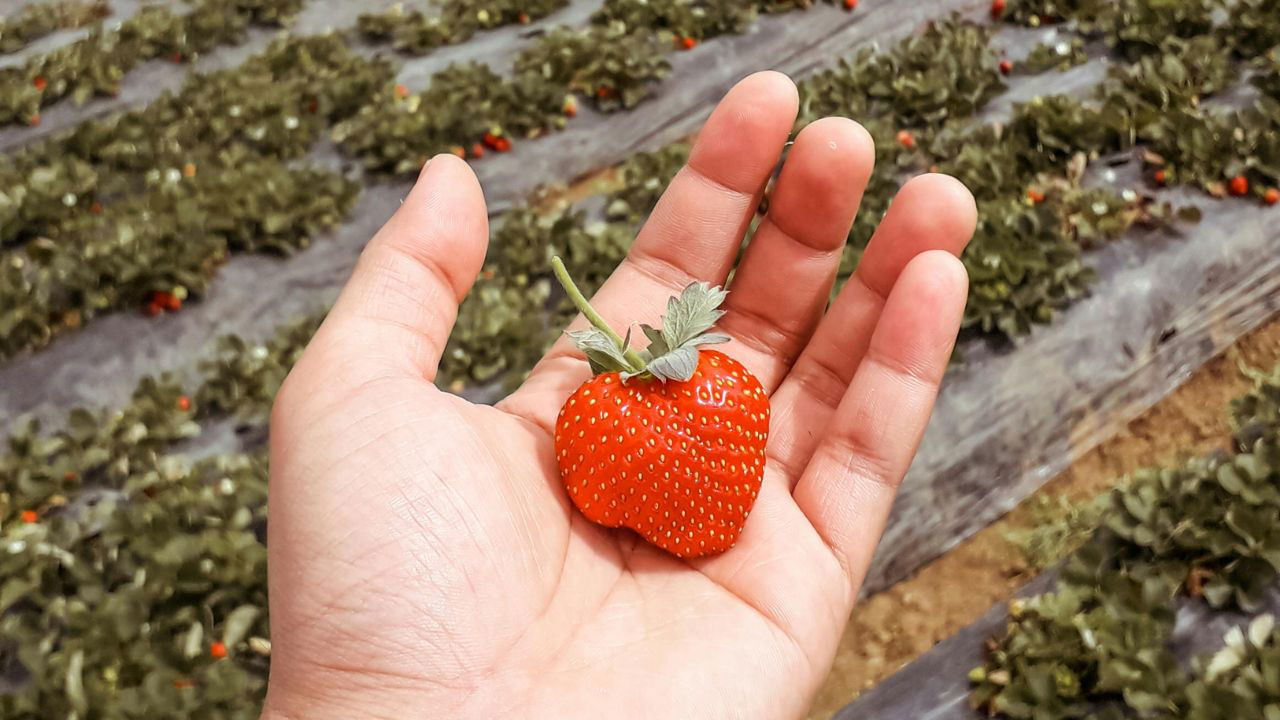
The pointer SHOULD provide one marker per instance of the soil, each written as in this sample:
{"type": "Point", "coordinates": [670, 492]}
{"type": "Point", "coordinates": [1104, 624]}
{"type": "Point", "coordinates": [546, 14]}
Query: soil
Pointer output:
{"type": "Point", "coordinates": [892, 628]}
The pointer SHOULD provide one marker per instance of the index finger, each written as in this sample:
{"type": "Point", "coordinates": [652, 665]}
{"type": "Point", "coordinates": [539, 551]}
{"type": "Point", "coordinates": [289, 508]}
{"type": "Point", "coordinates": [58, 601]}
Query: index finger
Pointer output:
{"type": "Point", "coordinates": [694, 233]}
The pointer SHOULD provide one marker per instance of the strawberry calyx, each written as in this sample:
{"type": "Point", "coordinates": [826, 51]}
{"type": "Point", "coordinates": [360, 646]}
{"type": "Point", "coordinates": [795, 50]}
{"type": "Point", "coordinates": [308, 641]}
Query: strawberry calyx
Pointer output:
{"type": "Point", "coordinates": [672, 353]}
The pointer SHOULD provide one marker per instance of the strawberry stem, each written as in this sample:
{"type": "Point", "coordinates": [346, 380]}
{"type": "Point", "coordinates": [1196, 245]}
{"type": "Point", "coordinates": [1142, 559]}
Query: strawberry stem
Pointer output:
{"type": "Point", "coordinates": [580, 301]}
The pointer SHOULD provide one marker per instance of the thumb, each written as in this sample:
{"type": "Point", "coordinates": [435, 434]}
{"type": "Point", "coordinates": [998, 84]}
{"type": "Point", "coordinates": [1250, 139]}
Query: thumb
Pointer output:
{"type": "Point", "coordinates": [397, 310]}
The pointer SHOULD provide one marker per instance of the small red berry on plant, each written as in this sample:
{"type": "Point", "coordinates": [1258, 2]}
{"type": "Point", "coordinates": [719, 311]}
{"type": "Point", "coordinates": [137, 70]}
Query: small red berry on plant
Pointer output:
{"type": "Point", "coordinates": [30, 517]}
{"type": "Point", "coordinates": [570, 107]}
{"type": "Point", "coordinates": [906, 139]}
{"type": "Point", "coordinates": [40, 83]}
{"type": "Point", "coordinates": [502, 144]}
{"type": "Point", "coordinates": [218, 650]}
{"type": "Point", "coordinates": [688, 42]}
{"type": "Point", "coordinates": [184, 403]}
{"type": "Point", "coordinates": [477, 150]}
{"type": "Point", "coordinates": [997, 8]}
{"type": "Point", "coordinates": [1161, 177]}
{"type": "Point", "coordinates": [167, 301]}
{"type": "Point", "coordinates": [1035, 196]}
{"type": "Point", "coordinates": [402, 92]}
{"type": "Point", "coordinates": [1271, 196]}
{"type": "Point", "coordinates": [850, 4]}
{"type": "Point", "coordinates": [1239, 186]}
{"type": "Point", "coordinates": [668, 441]}
{"type": "Point", "coordinates": [1006, 66]}
{"type": "Point", "coordinates": [604, 91]}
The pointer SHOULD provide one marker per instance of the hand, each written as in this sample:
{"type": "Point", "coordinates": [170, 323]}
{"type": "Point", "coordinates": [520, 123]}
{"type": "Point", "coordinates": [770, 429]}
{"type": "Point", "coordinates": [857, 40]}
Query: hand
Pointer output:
{"type": "Point", "coordinates": [425, 560]}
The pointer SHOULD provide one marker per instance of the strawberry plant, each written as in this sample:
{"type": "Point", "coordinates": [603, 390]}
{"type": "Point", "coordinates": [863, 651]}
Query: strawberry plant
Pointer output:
{"type": "Point", "coordinates": [39, 19]}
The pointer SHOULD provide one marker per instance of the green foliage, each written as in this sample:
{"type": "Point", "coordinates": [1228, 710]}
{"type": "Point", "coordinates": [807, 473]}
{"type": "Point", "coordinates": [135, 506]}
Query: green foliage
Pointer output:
{"type": "Point", "coordinates": [496, 337]}
{"type": "Point", "coordinates": [417, 33]}
{"type": "Point", "coordinates": [39, 19]}
{"type": "Point", "coordinates": [241, 378]}
{"type": "Point", "coordinates": [122, 562]}
{"type": "Point", "coordinates": [1209, 528]}
{"type": "Point", "coordinates": [680, 18]}
{"type": "Point", "coordinates": [645, 176]}
{"type": "Point", "coordinates": [1061, 56]}
{"type": "Point", "coordinates": [605, 62]}
{"type": "Point", "coordinates": [1132, 28]}
{"type": "Point", "coordinates": [397, 133]}
{"type": "Point", "coordinates": [616, 60]}
{"type": "Point", "coordinates": [1056, 527]}
{"type": "Point", "coordinates": [155, 199]}
{"type": "Point", "coordinates": [97, 64]}
{"type": "Point", "coordinates": [946, 71]}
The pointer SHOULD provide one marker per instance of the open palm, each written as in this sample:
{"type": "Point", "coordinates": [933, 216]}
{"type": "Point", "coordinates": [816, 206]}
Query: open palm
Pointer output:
{"type": "Point", "coordinates": [425, 560]}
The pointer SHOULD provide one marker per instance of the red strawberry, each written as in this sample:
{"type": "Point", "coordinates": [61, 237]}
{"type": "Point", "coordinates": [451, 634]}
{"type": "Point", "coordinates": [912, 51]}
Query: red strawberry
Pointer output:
{"type": "Point", "coordinates": [670, 441]}
{"type": "Point", "coordinates": [1239, 185]}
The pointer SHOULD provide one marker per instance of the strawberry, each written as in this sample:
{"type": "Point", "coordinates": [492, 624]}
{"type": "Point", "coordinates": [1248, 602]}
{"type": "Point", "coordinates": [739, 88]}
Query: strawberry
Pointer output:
{"type": "Point", "coordinates": [1271, 196]}
{"type": "Point", "coordinates": [1239, 186]}
{"type": "Point", "coordinates": [1006, 66]}
{"type": "Point", "coordinates": [997, 8]}
{"type": "Point", "coordinates": [668, 441]}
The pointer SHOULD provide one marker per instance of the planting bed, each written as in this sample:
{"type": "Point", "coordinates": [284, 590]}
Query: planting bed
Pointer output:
{"type": "Point", "coordinates": [1053, 362]}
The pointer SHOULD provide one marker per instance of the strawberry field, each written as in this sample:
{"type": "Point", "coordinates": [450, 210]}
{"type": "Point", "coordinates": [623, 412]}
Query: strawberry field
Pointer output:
{"type": "Point", "coordinates": [184, 187]}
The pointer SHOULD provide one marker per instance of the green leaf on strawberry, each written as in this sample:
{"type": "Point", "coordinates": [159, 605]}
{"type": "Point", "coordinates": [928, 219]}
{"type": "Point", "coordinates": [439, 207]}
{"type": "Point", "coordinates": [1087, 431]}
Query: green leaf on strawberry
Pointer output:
{"type": "Point", "coordinates": [672, 353]}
